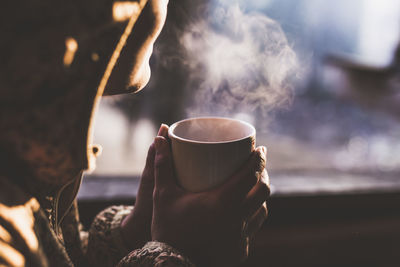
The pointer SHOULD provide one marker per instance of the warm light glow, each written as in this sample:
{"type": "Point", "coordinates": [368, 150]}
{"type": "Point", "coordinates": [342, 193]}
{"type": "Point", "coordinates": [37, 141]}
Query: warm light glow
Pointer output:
{"type": "Point", "coordinates": [123, 10]}
{"type": "Point", "coordinates": [22, 220]}
{"type": "Point", "coordinates": [4, 235]}
{"type": "Point", "coordinates": [71, 46]}
{"type": "Point", "coordinates": [10, 255]}
{"type": "Point", "coordinates": [95, 57]}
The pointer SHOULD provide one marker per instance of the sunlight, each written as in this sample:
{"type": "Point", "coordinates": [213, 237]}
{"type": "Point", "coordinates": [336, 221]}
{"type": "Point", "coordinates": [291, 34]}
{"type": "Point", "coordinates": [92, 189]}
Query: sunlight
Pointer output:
{"type": "Point", "coordinates": [71, 46]}
{"type": "Point", "coordinates": [4, 235]}
{"type": "Point", "coordinates": [21, 219]}
{"type": "Point", "coordinates": [10, 255]}
{"type": "Point", "coordinates": [123, 10]}
{"type": "Point", "coordinates": [379, 34]}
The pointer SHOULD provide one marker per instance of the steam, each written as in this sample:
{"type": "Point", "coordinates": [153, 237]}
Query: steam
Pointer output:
{"type": "Point", "coordinates": [239, 63]}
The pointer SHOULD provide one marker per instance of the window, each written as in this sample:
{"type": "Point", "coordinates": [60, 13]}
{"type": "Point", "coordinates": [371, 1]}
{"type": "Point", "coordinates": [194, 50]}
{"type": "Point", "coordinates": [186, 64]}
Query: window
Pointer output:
{"type": "Point", "coordinates": [338, 130]}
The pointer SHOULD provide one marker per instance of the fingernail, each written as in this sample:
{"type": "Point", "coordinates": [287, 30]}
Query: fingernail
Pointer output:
{"type": "Point", "coordinates": [264, 149]}
{"type": "Point", "coordinates": [163, 130]}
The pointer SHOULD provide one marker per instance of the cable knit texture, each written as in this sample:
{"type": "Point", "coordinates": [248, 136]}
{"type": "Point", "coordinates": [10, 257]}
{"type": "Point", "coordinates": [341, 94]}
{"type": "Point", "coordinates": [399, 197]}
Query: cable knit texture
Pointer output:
{"type": "Point", "coordinates": [106, 247]}
{"type": "Point", "coordinates": [155, 254]}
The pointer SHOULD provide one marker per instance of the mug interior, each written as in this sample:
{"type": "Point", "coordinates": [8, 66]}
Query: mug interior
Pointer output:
{"type": "Point", "coordinates": [211, 130]}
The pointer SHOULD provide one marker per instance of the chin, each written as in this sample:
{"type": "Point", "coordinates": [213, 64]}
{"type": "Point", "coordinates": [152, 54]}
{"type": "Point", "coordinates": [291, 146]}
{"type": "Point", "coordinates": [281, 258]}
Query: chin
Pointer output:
{"type": "Point", "coordinates": [138, 82]}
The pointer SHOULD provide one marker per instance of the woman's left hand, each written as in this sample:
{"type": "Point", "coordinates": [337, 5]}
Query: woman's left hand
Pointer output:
{"type": "Point", "coordinates": [136, 227]}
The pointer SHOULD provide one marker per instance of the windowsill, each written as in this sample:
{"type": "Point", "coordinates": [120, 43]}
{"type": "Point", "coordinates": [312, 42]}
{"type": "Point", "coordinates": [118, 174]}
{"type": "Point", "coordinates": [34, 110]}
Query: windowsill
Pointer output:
{"type": "Point", "coordinates": [283, 184]}
{"type": "Point", "coordinates": [312, 217]}
{"type": "Point", "coordinates": [296, 197]}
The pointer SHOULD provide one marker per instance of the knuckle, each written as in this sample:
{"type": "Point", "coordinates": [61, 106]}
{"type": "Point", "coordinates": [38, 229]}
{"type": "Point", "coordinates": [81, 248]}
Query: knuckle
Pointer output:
{"type": "Point", "coordinates": [260, 165]}
{"type": "Point", "coordinates": [264, 189]}
{"type": "Point", "coordinates": [160, 194]}
{"type": "Point", "coordinates": [261, 162]}
{"type": "Point", "coordinates": [264, 212]}
{"type": "Point", "coordinates": [253, 178]}
{"type": "Point", "coordinates": [243, 249]}
{"type": "Point", "coordinates": [264, 177]}
{"type": "Point", "coordinates": [156, 195]}
{"type": "Point", "coordinates": [258, 162]}
{"type": "Point", "coordinates": [264, 209]}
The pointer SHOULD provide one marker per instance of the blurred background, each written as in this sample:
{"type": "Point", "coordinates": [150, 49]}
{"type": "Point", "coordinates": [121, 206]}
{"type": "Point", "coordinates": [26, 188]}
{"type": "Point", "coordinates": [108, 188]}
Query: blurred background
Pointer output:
{"type": "Point", "coordinates": [320, 80]}
{"type": "Point", "coordinates": [336, 107]}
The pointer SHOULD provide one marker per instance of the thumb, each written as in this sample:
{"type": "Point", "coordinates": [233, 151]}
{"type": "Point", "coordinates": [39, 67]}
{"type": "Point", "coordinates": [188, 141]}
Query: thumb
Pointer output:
{"type": "Point", "coordinates": [148, 172]}
{"type": "Point", "coordinates": [163, 166]}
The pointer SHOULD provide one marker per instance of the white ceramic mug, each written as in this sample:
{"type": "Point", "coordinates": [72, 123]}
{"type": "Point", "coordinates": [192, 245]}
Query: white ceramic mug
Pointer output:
{"type": "Point", "coordinates": [208, 150]}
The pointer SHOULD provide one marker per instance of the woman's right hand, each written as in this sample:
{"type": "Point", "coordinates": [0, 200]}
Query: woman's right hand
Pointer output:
{"type": "Point", "coordinates": [212, 228]}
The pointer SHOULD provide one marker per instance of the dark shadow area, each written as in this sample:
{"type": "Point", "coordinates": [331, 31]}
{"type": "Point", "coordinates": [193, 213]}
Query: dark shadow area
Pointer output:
{"type": "Point", "coordinates": [352, 229]}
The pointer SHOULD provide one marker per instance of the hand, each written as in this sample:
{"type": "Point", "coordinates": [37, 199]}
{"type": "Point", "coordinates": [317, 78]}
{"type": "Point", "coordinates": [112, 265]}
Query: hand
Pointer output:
{"type": "Point", "coordinates": [137, 225]}
{"type": "Point", "coordinates": [212, 228]}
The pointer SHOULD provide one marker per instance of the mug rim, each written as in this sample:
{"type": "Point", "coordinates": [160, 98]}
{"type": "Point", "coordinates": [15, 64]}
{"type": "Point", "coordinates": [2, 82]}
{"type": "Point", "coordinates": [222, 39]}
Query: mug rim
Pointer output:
{"type": "Point", "coordinates": [172, 135]}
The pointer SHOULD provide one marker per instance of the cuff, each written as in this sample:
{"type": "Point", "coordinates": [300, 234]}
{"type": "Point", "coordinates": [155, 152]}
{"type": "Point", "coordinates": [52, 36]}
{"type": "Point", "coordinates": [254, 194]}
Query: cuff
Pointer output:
{"type": "Point", "coordinates": [106, 246]}
{"type": "Point", "coordinates": [115, 228]}
{"type": "Point", "coordinates": [156, 254]}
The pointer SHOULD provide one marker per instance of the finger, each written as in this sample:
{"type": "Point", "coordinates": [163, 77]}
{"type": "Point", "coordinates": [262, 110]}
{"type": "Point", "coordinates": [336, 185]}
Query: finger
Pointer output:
{"type": "Point", "coordinates": [256, 221]}
{"type": "Point", "coordinates": [144, 198]}
{"type": "Point", "coordinates": [163, 168]}
{"type": "Point", "coordinates": [243, 251]}
{"type": "Point", "coordinates": [255, 198]}
{"type": "Point", "coordinates": [163, 131]}
{"type": "Point", "coordinates": [149, 166]}
{"type": "Point", "coordinates": [148, 172]}
{"type": "Point", "coordinates": [238, 186]}
{"type": "Point", "coordinates": [265, 177]}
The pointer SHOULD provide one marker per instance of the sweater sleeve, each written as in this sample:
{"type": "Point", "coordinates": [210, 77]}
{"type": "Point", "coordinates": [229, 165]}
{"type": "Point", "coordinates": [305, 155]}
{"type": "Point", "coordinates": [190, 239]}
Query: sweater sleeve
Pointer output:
{"type": "Point", "coordinates": [155, 254]}
{"type": "Point", "coordinates": [106, 246]}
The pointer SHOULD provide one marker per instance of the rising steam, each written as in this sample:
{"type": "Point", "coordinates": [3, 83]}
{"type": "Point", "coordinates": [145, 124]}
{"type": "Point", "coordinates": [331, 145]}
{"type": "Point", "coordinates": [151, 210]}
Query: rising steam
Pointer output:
{"type": "Point", "coordinates": [239, 63]}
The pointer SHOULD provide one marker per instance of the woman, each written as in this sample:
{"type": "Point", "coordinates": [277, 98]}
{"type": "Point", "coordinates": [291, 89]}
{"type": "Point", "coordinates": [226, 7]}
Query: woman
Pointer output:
{"type": "Point", "coordinates": [59, 58]}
